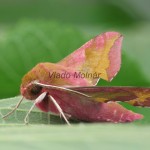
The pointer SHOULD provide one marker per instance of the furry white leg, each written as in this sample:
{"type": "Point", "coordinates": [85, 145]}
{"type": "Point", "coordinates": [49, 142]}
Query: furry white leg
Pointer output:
{"type": "Point", "coordinates": [37, 100]}
{"type": "Point", "coordinates": [59, 109]}
{"type": "Point", "coordinates": [17, 105]}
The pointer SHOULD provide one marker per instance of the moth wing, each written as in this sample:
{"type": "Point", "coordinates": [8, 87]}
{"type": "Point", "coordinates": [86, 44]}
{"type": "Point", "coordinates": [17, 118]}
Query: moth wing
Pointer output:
{"type": "Point", "coordinates": [101, 55]}
{"type": "Point", "coordinates": [132, 95]}
{"type": "Point", "coordinates": [83, 107]}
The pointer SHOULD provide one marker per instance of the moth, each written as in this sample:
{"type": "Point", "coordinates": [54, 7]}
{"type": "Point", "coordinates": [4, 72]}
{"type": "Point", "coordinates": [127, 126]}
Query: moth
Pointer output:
{"type": "Point", "coordinates": [68, 88]}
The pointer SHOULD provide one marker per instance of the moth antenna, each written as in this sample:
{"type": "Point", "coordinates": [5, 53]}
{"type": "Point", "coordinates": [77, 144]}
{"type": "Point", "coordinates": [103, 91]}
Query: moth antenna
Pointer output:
{"type": "Point", "coordinates": [17, 105]}
{"type": "Point", "coordinates": [37, 100]}
{"type": "Point", "coordinates": [59, 87]}
{"type": "Point", "coordinates": [59, 109]}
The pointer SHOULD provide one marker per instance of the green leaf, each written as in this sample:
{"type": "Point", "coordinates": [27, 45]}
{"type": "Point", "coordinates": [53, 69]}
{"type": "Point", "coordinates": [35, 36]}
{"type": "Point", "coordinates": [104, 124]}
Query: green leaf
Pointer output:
{"type": "Point", "coordinates": [17, 118]}
{"type": "Point", "coordinates": [95, 136]}
{"type": "Point", "coordinates": [37, 135]}
{"type": "Point", "coordinates": [39, 117]}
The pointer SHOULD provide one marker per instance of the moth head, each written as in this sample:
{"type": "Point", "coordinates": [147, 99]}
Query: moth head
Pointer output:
{"type": "Point", "coordinates": [28, 89]}
{"type": "Point", "coordinates": [31, 91]}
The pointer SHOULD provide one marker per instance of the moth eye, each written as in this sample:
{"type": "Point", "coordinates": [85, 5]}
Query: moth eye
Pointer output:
{"type": "Point", "coordinates": [35, 90]}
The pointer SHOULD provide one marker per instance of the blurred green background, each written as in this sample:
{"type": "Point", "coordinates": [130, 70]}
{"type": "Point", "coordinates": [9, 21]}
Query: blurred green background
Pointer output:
{"type": "Point", "coordinates": [33, 31]}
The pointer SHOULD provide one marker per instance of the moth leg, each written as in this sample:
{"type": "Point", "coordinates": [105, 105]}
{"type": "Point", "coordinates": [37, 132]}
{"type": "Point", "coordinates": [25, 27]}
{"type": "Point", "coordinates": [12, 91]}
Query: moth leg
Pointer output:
{"type": "Point", "coordinates": [68, 116]}
{"type": "Point", "coordinates": [17, 105]}
{"type": "Point", "coordinates": [59, 109]}
{"type": "Point", "coordinates": [37, 100]}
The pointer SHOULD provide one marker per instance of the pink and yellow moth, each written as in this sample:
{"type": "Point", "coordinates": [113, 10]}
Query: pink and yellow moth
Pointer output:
{"type": "Point", "coordinates": [67, 88]}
